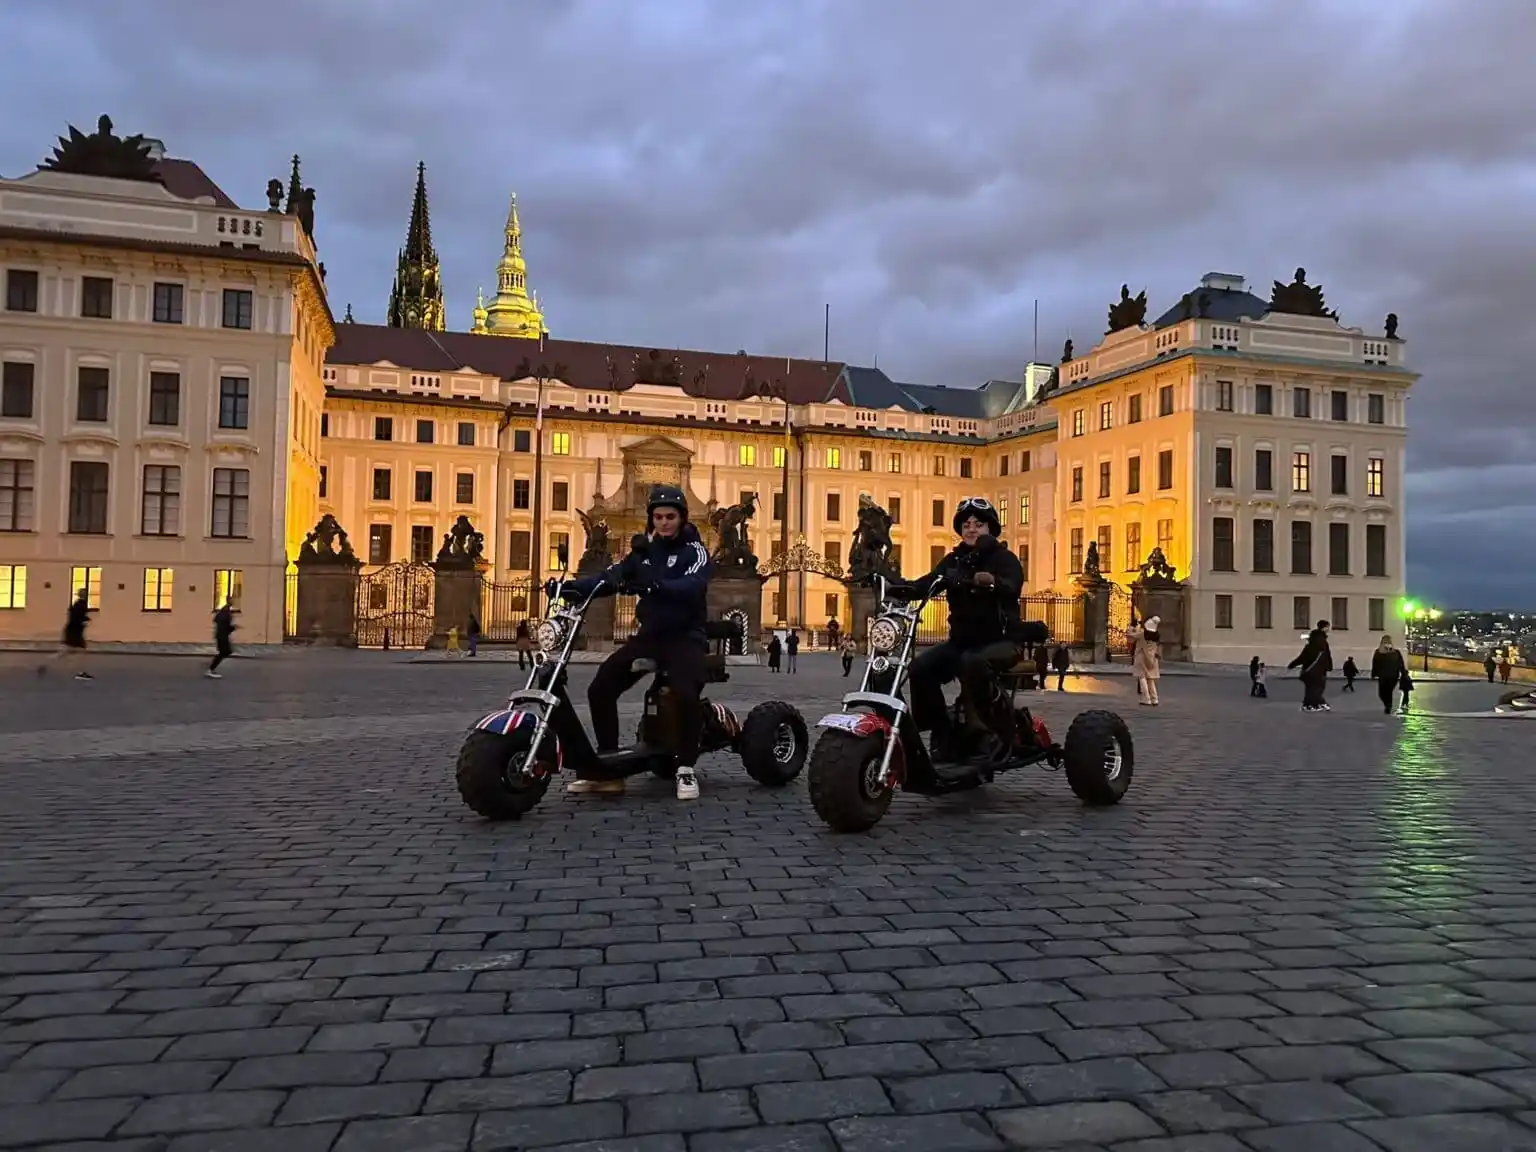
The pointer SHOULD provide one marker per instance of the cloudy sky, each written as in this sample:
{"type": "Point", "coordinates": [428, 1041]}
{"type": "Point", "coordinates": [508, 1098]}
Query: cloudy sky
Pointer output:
{"type": "Point", "coordinates": [710, 173]}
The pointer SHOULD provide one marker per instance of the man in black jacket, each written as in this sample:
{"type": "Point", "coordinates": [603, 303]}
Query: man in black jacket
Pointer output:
{"type": "Point", "coordinates": [982, 580]}
{"type": "Point", "coordinates": [669, 569]}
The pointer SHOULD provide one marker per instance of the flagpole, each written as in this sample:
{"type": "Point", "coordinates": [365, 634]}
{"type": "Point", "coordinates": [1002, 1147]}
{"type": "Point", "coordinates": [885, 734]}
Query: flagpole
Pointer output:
{"type": "Point", "coordinates": [538, 481]}
{"type": "Point", "coordinates": [784, 524]}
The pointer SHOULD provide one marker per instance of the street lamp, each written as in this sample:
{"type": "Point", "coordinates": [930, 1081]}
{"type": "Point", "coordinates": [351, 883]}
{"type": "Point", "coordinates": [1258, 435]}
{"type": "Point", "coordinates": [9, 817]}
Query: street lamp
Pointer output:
{"type": "Point", "coordinates": [1423, 616]}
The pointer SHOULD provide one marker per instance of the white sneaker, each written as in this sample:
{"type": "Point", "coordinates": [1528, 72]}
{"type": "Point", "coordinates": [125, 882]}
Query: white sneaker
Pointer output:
{"type": "Point", "coordinates": [687, 784]}
{"type": "Point", "coordinates": [213, 675]}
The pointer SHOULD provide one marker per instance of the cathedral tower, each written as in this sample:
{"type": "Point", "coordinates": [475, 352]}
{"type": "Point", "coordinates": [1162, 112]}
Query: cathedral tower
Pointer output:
{"type": "Point", "coordinates": [514, 312]}
{"type": "Point", "coordinates": [416, 300]}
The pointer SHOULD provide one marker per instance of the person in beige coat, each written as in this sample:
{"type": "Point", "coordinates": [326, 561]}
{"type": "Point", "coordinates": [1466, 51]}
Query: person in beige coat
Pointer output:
{"type": "Point", "coordinates": [1147, 660]}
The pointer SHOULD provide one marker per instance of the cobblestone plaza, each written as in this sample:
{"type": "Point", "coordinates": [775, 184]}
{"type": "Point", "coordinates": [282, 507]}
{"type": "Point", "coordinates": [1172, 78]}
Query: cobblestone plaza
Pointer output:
{"type": "Point", "coordinates": [253, 914]}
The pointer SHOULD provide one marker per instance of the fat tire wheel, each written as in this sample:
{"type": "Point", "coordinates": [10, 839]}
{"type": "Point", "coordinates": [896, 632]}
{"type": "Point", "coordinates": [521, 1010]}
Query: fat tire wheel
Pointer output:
{"type": "Point", "coordinates": [1086, 752]}
{"type": "Point", "coordinates": [838, 766]}
{"type": "Point", "coordinates": [483, 776]}
{"type": "Point", "coordinates": [759, 735]}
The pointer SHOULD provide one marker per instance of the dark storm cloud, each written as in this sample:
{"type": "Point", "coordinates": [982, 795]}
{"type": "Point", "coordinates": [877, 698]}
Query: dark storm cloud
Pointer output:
{"type": "Point", "coordinates": [709, 173]}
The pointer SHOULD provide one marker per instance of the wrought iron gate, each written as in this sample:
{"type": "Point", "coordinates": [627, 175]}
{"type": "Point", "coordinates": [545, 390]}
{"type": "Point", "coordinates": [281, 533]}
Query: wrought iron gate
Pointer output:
{"type": "Point", "coordinates": [1062, 614]}
{"type": "Point", "coordinates": [394, 606]}
{"type": "Point", "coordinates": [503, 606]}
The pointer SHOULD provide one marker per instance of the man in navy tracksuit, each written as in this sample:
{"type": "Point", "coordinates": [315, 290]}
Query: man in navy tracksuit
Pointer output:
{"type": "Point", "coordinates": [669, 569]}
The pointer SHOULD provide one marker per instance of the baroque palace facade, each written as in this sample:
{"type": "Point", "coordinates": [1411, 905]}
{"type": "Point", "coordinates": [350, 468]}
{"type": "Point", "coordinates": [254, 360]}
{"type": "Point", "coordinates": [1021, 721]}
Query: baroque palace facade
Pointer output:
{"type": "Point", "coordinates": [1257, 442]}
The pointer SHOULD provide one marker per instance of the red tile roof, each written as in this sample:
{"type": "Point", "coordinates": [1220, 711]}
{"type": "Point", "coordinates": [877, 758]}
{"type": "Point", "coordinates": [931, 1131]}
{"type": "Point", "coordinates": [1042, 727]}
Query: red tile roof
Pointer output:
{"type": "Point", "coordinates": [710, 375]}
{"type": "Point", "coordinates": [185, 179]}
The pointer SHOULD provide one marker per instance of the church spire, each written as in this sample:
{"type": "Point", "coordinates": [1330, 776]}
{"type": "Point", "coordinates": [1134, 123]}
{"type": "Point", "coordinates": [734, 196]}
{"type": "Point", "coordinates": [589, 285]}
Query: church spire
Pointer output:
{"type": "Point", "coordinates": [514, 312]}
{"type": "Point", "coordinates": [416, 299]}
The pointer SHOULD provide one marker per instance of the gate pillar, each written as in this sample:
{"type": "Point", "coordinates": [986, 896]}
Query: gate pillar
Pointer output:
{"type": "Point", "coordinates": [325, 602]}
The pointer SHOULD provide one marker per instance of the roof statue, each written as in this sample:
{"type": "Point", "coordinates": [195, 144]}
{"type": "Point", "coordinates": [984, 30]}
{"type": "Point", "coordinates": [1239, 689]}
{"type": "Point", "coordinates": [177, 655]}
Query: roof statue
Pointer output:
{"type": "Point", "coordinates": [1128, 311]}
{"type": "Point", "coordinates": [103, 154]}
{"type": "Point", "coordinates": [1391, 326]}
{"type": "Point", "coordinates": [1299, 298]}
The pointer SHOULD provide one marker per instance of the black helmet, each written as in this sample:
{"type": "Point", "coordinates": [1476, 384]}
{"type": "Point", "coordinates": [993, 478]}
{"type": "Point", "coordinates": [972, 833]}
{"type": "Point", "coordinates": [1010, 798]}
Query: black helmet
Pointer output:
{"type": "Point", "coordinates": [981, 508]}
{"type": "Point", "coordinates": [667, 496]}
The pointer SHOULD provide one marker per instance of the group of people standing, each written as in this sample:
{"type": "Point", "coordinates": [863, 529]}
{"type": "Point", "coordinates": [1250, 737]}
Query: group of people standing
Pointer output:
{"type": "Point", "coordinates": [1388, 669]}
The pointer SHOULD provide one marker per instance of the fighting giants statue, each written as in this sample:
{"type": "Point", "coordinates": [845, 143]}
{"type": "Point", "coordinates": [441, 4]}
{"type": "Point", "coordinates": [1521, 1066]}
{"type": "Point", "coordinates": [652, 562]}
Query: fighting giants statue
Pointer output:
{"type": "Point", "coordinates": [733, 550]}
{"type": "Point", "coordinates": [326, 544]}
{"type": "Point", "coordinates": [462, 544]}
{"type": "Point", "coordinates": [871, 540]}
{"type": "Point", "coordinates": [594, 554]}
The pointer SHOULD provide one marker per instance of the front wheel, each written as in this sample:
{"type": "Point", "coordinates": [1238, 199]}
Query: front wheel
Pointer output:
{"type": "Point", "coordinates": [490, 775]}
{"type": "Point", "coordinates": [1100, 757]}
{"type": "Point", "coordinates": [773, 743]}
{"type": "Point", "coordinates": [844, 781]}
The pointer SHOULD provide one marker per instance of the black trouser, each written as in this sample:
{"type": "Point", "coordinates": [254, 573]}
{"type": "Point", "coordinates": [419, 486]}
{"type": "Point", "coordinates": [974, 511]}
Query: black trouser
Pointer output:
{"type": "Point", "coordinates": [1385, 689]}
{"type": "Point", "coordinates": [681, 657]}
{"type": "Point", "coordinates": [1349, 683]}
{"type": "Point", "coordinates": [222, 653]}
{"type": "Point", "coordinates": [1313, 685]}
{"type": "Point", "coordinates": [973, 667]}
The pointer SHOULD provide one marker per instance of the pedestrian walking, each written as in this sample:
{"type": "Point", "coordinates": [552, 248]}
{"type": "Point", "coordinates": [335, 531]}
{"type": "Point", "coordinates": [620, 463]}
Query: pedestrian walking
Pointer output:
{"type": "Point", "coordinates": [522, 640]}
{"type": "Point", "coordinates": [472, 633]}
{"type": "Point", "coordinates": [1388, 669]}
{"type": "Point", "coordinates": [1253, 675]}
{"type": "Point", "coordinates": [1315, 662]}
{"type": "Point", "coordinates": [1504, 669]}
{"type": "Point", "coordinates": [1351, 670]}
{"type": "Point", "coordinates": [223, 629]}
{"type": "Point", "coordinates": [1406, 684]}
{"type": "Point", "coordinates": [850, 650]}
{"type": "Point", "coordinates": [71, 653]}
{"type": "Point", "coordinates": [775, 652]}
{"type": "Point", "coordinates": [1042, 666]}
{"type": "Point", "coordinates": [1489, 666]}
{"type": "Point", "coordinates": [1261, 682]}
{"type": "Point", "coordinates": [792, 649]}
{"type": "Point", "coordinates": [1148, 659]}
{"type": "Point", "coordinates": [1062, 662]}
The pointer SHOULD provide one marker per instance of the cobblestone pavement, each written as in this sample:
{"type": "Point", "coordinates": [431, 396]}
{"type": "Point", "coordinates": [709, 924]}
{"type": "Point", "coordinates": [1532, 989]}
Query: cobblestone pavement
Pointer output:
{"type": "Point", "coordinates": [252, 914]}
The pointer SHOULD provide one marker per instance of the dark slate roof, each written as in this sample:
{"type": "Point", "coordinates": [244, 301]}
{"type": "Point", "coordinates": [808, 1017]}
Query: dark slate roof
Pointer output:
{"type": "Point", "coordinates": [872, 388]}
{"type": "Point", "coordinates": [1000, 396]}
{"type": "Point", "coordinates": [1226, 304]}
{"type": "Point", "coordinates": [711, 375]}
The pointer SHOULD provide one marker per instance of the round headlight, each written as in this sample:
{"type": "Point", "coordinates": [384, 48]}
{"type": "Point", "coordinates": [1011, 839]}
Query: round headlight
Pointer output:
{"type": "Point", "coordinates": [884, 635]}
{"type": "Point", "coordinates": [547, 635]}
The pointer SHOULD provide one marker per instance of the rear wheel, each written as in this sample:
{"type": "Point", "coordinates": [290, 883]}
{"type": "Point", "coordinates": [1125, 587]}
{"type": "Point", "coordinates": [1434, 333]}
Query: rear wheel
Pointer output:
{"type": "Point", "coordinates": [490, 775]}
{"type": "Point", "coordinates": [844, 781]}
{"type": "Point", "coordinates": [774, 743]}
{"type": "Point", "coordinates": [1100, 757]}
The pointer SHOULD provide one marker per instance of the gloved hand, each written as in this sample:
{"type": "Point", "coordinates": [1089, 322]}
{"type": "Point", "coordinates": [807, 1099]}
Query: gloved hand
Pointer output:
{"type": "Point", "coordinates": [642, 586]}
{"type": "Point", "coordinates": [985, 544]}
{"type": "Point", "coordinates": [985, 579]}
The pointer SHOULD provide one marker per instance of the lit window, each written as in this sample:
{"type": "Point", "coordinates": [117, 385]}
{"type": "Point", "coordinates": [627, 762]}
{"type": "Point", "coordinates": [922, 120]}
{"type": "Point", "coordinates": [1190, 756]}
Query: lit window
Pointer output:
{"type": "Point", "coordinates": [1376, 477]}
{"type": "Point", "coordinates": [1079, 422]}
{"type": "Point", "coordinates": [893, 463]}
{"type": "Point", "coordinates": [228, 587]}
{"type": "Point", "coordinates": [88, 579]}
{"type": "Point", "coordinates": [746, 455]}
{"type": "Point", "coordinates": [560, 443]}
{"type": "Point", "coordinates": [834, 457]}
{"type": "Point", "coordinates": [1024, 510]}
{"type": "Point", "coordinates": [1301, 472]}
{"type": "Point", "coordinates": [778, 456]}
{"type": "Point", "coordinates": [157, 589]}
{"type": "Point", "coordinates": [1106, 415]}
{"type": "Point", "coordinates": [13, 586]}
